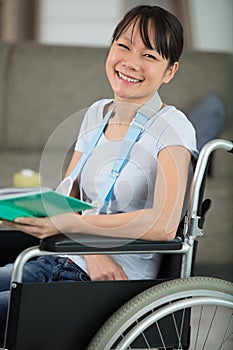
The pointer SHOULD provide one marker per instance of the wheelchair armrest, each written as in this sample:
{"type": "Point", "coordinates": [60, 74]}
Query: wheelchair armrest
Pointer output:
{"type": "Point", "coordinates": [84, 243]}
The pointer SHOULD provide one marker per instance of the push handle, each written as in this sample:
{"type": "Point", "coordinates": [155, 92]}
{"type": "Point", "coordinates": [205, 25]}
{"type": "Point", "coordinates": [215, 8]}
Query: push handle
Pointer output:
{"type": "Point", "coordinates": [205, 153]}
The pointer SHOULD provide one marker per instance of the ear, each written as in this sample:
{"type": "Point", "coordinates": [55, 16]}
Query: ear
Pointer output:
{"type": "Point", "coordinates": [170, 72]}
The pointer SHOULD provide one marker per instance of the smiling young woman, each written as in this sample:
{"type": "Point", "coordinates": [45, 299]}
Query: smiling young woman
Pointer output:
{"type": "Point", "coordinates": [151, 143]}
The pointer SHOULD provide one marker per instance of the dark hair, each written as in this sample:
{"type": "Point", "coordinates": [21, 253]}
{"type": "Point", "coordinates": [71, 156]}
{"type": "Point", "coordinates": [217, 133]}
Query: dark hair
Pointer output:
{"type": "Point", "coordinates": [168, 30]}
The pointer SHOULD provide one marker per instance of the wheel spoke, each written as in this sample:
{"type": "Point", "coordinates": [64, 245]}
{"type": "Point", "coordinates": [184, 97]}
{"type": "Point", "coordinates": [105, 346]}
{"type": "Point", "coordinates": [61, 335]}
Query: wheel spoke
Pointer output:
{"type": "Point", "coordinates": [210, 325]}
{"type": "Point", "coordinates": [198, 328]}
{"type": "Point", "coordinates": [179, 334]}
{"type": "Point", "coordinates": [160, 335]}
{"type": "Point", "coordinates": [225, 337]}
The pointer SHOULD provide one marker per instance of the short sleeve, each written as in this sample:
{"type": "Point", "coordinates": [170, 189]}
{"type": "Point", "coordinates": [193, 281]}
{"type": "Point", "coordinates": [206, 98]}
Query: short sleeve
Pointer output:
{"type": "Point", "coordinates": [178, 131]}
{"type": "Point", "coordinates": [81, 142]}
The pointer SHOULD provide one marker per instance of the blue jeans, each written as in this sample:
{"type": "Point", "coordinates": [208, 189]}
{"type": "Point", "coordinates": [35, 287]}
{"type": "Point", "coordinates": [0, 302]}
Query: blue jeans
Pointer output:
{"type": "Point", "coordinates": [43, 269]}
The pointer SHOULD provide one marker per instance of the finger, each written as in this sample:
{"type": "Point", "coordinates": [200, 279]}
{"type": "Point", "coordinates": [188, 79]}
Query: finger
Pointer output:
{"type": "Point", "coordinates": [11, 224]}
{"type": "Point", "coordinates": [20, 227]}
{"type": "Point", "coordinates": [101, 277]}
{"type": "Point", "coordinates": [120, 274]}
{"type": "Point", "coordinates": [29, 221]}
{"type": "Point", "coordinates": [33, 226]}
{"type": "Point", "coordinates": [8, 223]}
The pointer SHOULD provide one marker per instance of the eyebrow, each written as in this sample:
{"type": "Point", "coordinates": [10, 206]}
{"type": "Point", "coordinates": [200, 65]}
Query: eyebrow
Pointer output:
{"type": "Point", "coordinates": [126, 37]}
{"type": "Point", "coordinates": [129, 39]}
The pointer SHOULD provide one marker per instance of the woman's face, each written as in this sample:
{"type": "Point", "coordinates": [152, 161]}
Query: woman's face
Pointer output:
{"type": "Point", "coordinates": [134, 71]}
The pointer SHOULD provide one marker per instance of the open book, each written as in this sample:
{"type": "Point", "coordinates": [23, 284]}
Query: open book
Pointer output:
{"type": "Point", "coordinates": [39, 204]}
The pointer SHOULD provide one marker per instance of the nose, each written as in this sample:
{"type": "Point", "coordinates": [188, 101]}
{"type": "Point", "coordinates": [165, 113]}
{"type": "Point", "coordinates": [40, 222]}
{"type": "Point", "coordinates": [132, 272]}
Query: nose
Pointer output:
{"type": "Point", "coordinates": [131, 62]}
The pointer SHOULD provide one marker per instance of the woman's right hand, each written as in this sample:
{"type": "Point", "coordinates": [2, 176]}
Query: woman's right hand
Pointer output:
{"type": "Point", "coordinates": [104, 268]}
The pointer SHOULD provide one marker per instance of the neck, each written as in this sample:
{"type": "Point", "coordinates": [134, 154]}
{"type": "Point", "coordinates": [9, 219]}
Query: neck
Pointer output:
{"type": "Point", "coordinates": [125, 112]}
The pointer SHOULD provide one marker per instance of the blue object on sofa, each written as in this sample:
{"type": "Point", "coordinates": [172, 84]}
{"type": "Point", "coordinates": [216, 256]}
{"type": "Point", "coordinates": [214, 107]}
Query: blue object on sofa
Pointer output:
{"type": "Point", "coordinates": [208, 118]}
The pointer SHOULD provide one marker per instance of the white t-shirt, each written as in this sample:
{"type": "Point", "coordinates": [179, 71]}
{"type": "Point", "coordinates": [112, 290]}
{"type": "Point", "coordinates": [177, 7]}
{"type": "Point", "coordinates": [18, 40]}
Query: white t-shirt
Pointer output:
{"type": "Point", "coordinates": [134, 188]}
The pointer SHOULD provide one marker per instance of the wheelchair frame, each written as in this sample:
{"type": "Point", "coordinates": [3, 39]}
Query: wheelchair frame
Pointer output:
{"type": "Point", "coordinates": [60, 244]}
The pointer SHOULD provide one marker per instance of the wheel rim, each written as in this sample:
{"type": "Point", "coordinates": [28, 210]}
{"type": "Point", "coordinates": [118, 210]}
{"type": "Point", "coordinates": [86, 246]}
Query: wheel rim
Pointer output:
{"type": "Point", "coordinates": [170, 309]}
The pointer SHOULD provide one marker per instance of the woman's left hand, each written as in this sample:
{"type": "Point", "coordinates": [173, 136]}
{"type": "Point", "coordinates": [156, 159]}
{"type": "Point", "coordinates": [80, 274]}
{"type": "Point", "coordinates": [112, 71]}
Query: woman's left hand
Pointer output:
{"type": "Point", "coordinates": [38, 227]}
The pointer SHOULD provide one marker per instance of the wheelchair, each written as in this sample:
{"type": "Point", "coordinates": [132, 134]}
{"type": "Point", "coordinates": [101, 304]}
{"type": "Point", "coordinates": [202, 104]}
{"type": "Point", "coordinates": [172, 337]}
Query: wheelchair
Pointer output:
{"type": "Point", "coordinates": [175, 311]}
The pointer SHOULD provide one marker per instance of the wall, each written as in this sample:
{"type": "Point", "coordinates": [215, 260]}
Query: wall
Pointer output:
{"type": "Point", "coordinates": [88, 23]}
{"type": "Point", "coordinates": [78, 22]}
{"type": "Point", "coordinates": [212, 24]}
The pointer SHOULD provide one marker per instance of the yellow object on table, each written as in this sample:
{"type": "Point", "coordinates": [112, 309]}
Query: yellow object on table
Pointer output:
{"type": "Point", "coordinates": [26, 178]}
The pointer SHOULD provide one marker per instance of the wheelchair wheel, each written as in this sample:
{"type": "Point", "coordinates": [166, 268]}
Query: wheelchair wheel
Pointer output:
{"type": "Point", "coordinates": [192, 313]}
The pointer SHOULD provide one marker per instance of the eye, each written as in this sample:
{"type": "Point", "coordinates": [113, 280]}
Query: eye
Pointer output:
{"type": "Point", "coordinates": [150, 56]}
{"type": "Point", "coordinates": [124, 46]}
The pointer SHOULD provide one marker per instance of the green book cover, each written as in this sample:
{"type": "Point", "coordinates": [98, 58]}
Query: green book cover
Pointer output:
{"type": "Point", "coordinates": [41, 204]}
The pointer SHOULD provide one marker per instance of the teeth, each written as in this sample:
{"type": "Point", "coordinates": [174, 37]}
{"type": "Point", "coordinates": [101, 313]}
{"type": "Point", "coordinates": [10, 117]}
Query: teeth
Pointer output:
{"type": "Point", "coordinates": [131, 80]}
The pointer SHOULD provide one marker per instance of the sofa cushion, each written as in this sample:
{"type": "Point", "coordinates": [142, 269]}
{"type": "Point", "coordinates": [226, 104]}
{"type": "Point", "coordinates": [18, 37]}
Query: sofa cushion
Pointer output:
{"type": "Point", "coordinates": [4, 65]}
{"type": "Point", "coordinates": [201, 73]}
{"type": "Point", "coordinates": [47, 84]}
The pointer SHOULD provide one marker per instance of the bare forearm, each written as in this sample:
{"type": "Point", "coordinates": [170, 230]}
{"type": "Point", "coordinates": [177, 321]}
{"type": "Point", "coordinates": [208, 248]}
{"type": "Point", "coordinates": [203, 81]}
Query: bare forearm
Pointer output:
{"type": "Point", "coordinates": [144, 224]}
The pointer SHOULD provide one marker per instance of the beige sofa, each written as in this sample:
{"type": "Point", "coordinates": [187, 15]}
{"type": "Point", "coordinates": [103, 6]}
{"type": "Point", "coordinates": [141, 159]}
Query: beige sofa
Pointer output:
{"type": "Point", "coordinates": [42, 85]}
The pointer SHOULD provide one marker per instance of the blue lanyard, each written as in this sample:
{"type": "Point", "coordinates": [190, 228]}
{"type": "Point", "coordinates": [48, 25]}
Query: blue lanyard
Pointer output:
{"type": "Point", "coordinates": [131, 137]}
{"type": "Point", "coordinates": [88, 150]}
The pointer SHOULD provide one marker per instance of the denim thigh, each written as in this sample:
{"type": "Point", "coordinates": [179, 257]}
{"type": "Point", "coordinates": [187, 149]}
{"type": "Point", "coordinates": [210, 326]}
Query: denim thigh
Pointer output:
{"type": "Point", "coordinates": [44, 269]}
{"type": "Point", "coordinates": [67, 270]}
{"type": "Point", "coordinates": [53, 269]}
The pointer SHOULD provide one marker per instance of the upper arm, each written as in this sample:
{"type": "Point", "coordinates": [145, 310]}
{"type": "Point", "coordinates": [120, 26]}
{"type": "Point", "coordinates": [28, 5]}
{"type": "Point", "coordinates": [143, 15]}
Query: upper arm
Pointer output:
{"type": "Point", "coordinates": [171, 182]}
{"type": "Point", "coordinates": [74, 160]}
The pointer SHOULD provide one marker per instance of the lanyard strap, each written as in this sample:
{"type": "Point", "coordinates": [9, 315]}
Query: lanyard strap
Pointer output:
{"type": "Point", "coordinates": [145, 112]}
{"type": "Point", "coordinates": [88, 150]}
{"type": "Point", "coordinates": [131, 137]}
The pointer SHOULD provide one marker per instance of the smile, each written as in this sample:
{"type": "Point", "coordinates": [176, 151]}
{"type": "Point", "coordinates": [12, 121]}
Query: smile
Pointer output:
{"type": "Point", "coordinates": [130, 80]}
